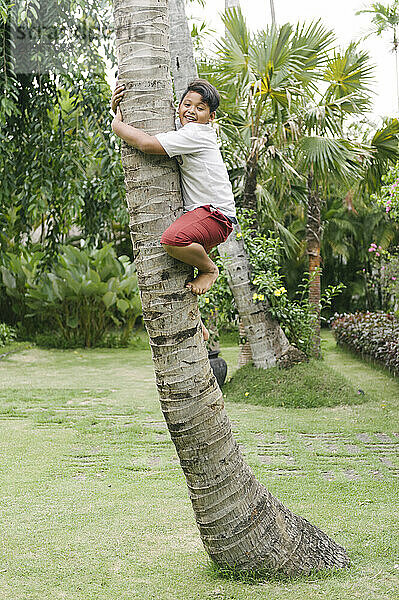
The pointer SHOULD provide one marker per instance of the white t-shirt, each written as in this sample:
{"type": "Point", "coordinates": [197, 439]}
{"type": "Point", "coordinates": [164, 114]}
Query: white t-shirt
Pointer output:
{"type": "Point", "coordinates": [203, 173]}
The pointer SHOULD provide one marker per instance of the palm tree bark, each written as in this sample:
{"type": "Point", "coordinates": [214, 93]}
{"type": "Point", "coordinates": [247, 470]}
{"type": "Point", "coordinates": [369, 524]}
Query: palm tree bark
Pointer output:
{"type": "Point", "coordinates": [241, 524]}
{"type": "Point", "coordinates": [268, 343]}
{"type": "Point", "coordinates": [249, 199]}
{"type": "Point", "coordinates": [313, 242]}
{"type": "Point", "coordinates": [183, 67]}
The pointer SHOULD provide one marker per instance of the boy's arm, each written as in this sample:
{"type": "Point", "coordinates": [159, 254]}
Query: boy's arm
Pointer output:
{"type": "Point", "coordinates": [136, 137]}
{"type": "Point", "coordinates": [132, 136]}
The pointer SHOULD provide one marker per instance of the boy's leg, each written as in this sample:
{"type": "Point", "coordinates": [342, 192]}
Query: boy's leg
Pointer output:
{"type": "Point", "coordinates": [205, 332]}
{"type": "Point", "coordinates": [195, 255]}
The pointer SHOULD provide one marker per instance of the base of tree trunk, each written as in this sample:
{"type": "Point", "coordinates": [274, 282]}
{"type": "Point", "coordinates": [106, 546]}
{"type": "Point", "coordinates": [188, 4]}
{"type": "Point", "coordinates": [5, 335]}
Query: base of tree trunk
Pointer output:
{"type": "Point", "coordinates": [292, 356]}
{"type": "Point", "coordinates": [245, 355]}
{"type": "Point", "coordinates": [271, 539]}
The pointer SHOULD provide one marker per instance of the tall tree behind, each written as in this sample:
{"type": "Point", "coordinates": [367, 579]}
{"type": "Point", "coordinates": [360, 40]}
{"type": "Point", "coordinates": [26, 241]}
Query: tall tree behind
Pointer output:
{"type": "Point", "coordinates": [261, 77]}
{"type": "Point", "coordinates": [324, 158]}
{"type": "Point", "coordinates": [267, 340]}
{"type": "Point", "coordinates": [241, 524]}
{"type": "Point", "coordinates": [183, 65]}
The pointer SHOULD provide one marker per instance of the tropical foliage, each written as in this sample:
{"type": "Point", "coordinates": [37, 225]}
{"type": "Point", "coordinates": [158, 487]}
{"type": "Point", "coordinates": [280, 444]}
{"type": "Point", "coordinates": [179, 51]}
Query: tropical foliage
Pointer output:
{"type": "Point", "coordinates": [296, 315]}
{"type": "Point", "coordinates": [7, 334]}
{"type": "Point", "coordinates": [306, 161]}
{"type": "Point", "coordinates": [86, 293]}
{"type": "Point", "coordinates": [59, 163]}
{"type": "Point", "coordinates": [294, 136]}
{"type": "Point", "coordinates": [385, 19]}
{"type": "Point", "coordinates": [388, 198]}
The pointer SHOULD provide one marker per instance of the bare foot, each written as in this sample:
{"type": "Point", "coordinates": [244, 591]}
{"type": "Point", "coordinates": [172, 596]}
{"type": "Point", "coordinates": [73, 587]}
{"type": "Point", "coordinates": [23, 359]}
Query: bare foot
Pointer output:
{"type": "Point", "coordinates": [205, 332]}
{"type": "Point", "coordinates": [203, 282]}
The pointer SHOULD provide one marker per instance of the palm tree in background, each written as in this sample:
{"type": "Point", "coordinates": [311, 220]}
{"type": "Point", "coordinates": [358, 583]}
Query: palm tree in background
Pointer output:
{"type": "Point", "coordinates": [325, 153]}
{"type": "Point", "coordinates": [385, 18]}
{"type": "Point", "coordinates": [262, 77]}
{"type": "Point", "coordinates": [323, 159]}
{"type": "Point", "coordinates": [272, 101]}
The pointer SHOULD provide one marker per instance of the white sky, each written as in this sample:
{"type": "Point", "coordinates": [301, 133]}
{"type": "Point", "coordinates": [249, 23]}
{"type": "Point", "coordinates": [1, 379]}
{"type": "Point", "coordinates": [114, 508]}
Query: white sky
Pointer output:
{"type": "Point", "coordinates": [338, 15]}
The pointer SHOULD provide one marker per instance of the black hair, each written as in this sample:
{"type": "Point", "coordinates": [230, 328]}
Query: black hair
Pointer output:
{"type": "Point", "coordinates": [207, 91]}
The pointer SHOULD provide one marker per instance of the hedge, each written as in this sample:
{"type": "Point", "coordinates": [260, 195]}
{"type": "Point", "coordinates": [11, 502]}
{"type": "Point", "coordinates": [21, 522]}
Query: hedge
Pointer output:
{"type": "Point", "coordinates": [375, 335]}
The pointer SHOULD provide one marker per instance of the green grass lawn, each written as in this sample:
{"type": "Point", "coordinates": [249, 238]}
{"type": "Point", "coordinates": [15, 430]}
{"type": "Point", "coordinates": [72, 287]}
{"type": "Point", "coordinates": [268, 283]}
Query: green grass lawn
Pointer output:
{"type": "Point", "coordinates": [94, 504]}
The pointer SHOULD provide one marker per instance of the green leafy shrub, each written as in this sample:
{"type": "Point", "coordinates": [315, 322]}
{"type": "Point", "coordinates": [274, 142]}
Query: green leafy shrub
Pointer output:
{"type": "Point", "coordinates": [297, 316]}
{"type": "Point", "coordinates": [382, 280]}
{"type": "Point", "coordinates": [375, 335]}
{"type": "Point", "coordinates": [18, 272]}
{"type": "Point", "coordinates": [83, 295]}
{"type": "Point", "coordinates": [7, 334]}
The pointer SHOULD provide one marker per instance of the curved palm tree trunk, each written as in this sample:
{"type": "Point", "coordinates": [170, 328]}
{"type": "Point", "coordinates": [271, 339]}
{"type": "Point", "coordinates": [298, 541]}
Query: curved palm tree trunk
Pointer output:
{"type": "Point", "coordinates": [313, 241]}
{"type": "Point", "coordinates": [249, 199]}
{"type": "Point", "coordinates": [268, 343]}
{"type": "Point", "coordinates": [240, 522]}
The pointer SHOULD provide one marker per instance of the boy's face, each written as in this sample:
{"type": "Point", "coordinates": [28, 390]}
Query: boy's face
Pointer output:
{"type": "Point", "coordinates": [194, 110]}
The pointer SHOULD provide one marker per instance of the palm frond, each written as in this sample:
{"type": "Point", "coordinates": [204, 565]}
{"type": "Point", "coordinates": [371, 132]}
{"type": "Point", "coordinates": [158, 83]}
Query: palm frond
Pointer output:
{"type": "Point", "coordinates": [348, 73]}
{"type": "Point", "coordinates": [233, 49]}
{"type": "Point", "coordinates": [385, 17]}
{"type": "Point", "coordinates": [313, 41]}
{"type": "Point", "coordinates": [384, 148]}
{"type": "Point", "coordinates": [272, 217]}
{"type": "Point", "coordinates": [328, 156]}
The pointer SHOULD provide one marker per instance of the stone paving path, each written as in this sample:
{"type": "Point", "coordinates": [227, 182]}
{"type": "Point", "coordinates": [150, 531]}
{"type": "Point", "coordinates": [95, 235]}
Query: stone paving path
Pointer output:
{"type": "Point", "coordinates": [337, 454]}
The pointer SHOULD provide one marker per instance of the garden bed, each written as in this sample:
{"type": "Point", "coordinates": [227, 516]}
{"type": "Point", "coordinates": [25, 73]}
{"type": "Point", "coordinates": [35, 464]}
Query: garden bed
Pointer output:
{"type": "Point", "coordinates": [372, 335]}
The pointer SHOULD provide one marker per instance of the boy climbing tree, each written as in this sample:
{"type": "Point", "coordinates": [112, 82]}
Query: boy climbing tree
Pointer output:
{"type": "Point", "coordinates": [209, 209]}
{"type": "Point", "coordinates": [241, 524]}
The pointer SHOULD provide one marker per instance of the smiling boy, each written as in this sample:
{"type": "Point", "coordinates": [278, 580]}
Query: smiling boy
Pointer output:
{"type": "Point", "coordinates": [209, 209]}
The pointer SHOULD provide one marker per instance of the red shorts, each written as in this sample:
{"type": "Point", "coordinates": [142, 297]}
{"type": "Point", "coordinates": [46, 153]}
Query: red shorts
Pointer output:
{"type": "Point", "coordinates": [205, 225]}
